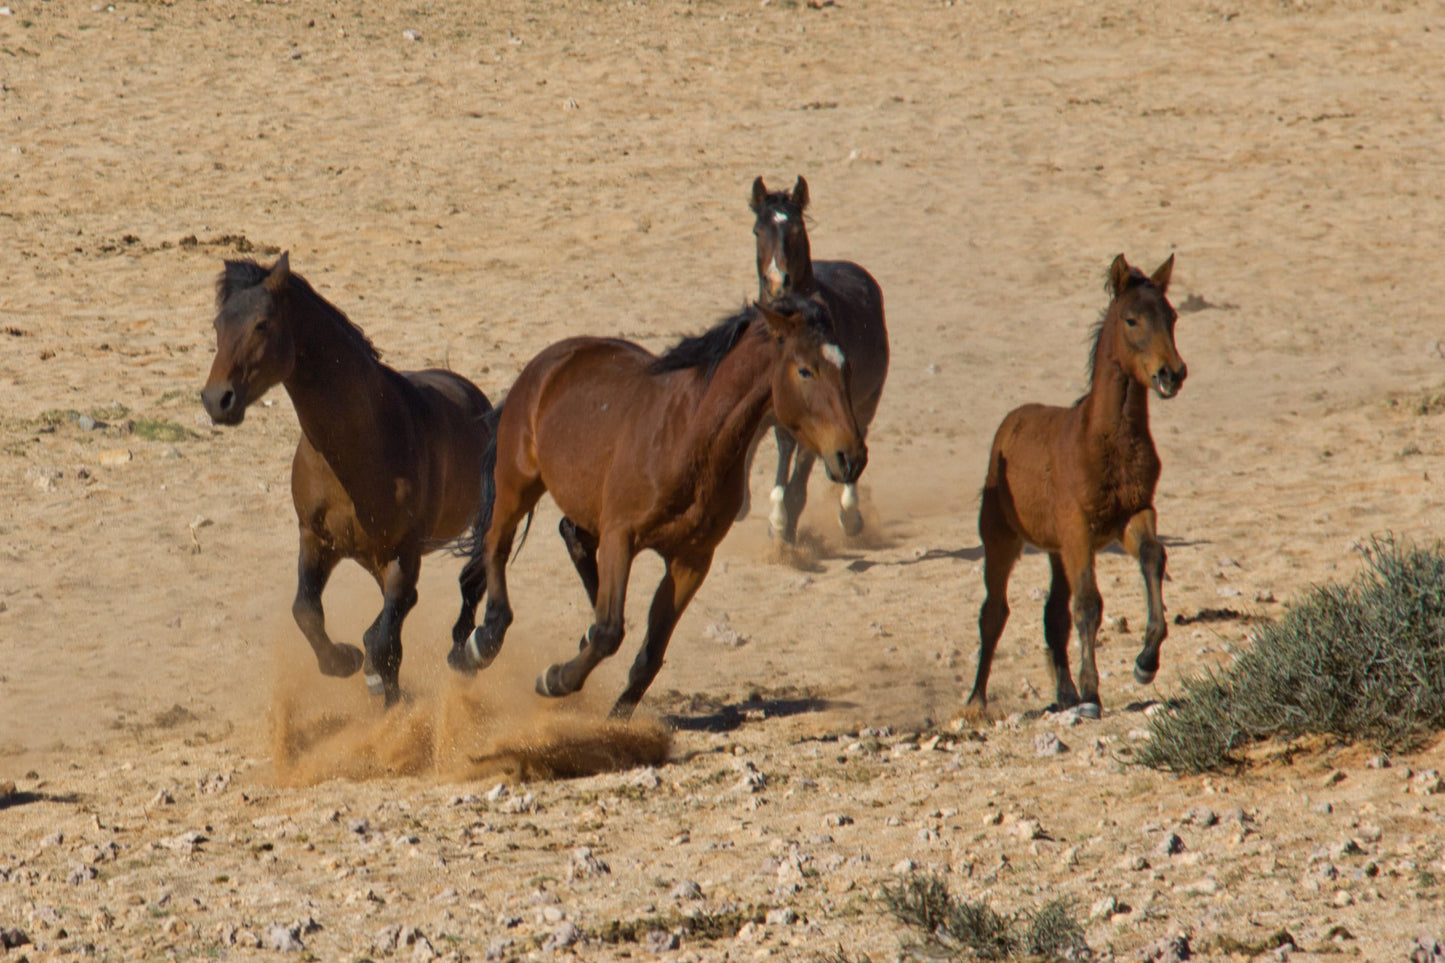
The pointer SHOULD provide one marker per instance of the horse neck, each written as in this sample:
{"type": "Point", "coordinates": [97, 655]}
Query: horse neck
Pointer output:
{"type": "Point", "coordinates": [340, 391]}
{"type": "Point", "coordinates": [1117, 406]}
{"type": "Point", "coordinates": [734, 401]}
{"type": "Point", "coordinates": [800, 268]}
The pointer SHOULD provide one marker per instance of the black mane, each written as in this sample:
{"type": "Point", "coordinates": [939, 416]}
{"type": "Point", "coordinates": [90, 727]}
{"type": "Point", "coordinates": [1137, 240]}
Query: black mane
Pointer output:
{"type": "Point", "coordinates": [242, 275]}
{"type": "Point", "coordinates": [707, 350]}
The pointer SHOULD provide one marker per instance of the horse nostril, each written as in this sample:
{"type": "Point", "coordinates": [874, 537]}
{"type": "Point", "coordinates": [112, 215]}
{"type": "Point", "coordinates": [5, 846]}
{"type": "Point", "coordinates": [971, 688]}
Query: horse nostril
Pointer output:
{"type": "Point", "coordinates": [227, 400]}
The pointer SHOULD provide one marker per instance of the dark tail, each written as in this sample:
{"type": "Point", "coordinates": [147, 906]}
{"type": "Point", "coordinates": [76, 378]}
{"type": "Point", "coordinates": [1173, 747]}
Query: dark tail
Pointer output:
{"type": "Point", "coordinates": [470, 545]}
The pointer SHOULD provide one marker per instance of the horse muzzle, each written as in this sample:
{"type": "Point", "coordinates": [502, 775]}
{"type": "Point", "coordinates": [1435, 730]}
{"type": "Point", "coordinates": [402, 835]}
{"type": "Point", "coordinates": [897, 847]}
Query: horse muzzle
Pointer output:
{"type": "Point", "coordinates": [225, 404]}
{"type": "Point", "coordinates": [844, 469]}
{"type": "Point", "coordinates": [1167, 383]}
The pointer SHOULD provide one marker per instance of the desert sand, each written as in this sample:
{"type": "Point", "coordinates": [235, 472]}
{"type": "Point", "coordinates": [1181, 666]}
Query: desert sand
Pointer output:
{"type": "Point", "coordinates": [472, 182]}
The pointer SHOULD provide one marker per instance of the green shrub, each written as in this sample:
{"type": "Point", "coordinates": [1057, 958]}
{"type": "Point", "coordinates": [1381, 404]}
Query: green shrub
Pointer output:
{"type": "Point", "coordinates": [963, 929]}
{"type": "Point", "coordinates": [1358, 662]}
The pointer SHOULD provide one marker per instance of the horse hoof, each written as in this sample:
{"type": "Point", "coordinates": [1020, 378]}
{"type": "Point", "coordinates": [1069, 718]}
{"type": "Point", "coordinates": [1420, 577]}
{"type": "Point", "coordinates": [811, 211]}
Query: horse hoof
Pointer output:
{"type": "Point", "coordinates": [622, 711]}
{"type": "Point", "coordinates": [343, 662]}
{"type": "Point", "coordinates": [480, 656]}
{"type": "Point", "coordinates": [549, 683]}
{"type": "Point", "coordinates": [852, 522]}
{"type": "Point", "coordinates": [460, 659]}
{"type": "Point", "coordinates": [376, 686]}
{"type": "Point", "coordinates": [1089, 710]}
{"type": "Point", "coordinates": [1144, 676]}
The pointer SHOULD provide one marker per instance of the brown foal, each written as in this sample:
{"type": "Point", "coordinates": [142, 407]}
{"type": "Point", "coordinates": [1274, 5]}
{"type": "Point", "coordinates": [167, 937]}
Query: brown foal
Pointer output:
{"type": "Point", "coordinates": [1073, 480]}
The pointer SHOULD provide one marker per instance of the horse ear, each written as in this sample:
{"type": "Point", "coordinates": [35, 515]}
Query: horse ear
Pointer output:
{"type": "Point", "coordinates": [800, 193]}
{"type": "Point", "coordinates": [1118, 276]}
{"type": "Point", "coordinates": [760, 194]}
{"type": "Point", "coordinates": [280, 273]}
{"type": "Point", "coordinates": [1160, 278]}
{"type": "Point", "coordinates": [781, 325]}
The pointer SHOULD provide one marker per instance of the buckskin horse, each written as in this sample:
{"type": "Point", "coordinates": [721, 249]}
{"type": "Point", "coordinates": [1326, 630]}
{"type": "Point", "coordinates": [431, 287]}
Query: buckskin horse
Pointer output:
{"type": "Point", "coordinates": [388, 466]}
{"type": "Point", "coordinates": [645, 452]}
{"type": "Point", "coordinates": [1072, 481]}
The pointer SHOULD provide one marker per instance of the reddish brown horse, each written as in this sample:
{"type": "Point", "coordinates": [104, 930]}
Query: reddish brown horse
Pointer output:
{"type": "Point", "coordinates": [388, 463]}
{"type": "Point", "coordinates": [644, 452]}
{"type": "Point", "coordinates": [1074, 480]}
{"type": "Point", "coordinates": [786, 266]}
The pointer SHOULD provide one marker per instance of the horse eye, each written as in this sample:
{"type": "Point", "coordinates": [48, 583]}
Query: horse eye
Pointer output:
{"type": "Point", "coordinates": [264, 325]}
{"type": "Point", "coordinates": [1131, 322]}
{"type": "Point", "coordinates": [805, 372]}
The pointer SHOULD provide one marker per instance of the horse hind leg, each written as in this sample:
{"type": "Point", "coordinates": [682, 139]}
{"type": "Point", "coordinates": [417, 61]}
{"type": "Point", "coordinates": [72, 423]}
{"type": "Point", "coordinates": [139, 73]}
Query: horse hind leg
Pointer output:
{"type": "Point", "coordinates": [1088, 611]}
{"type": "Point", "coordinates": [605, 635]}
{"type": "Point", "coordinates": [383, 639]}
{"type": "Point", "coordinates": [494, 548]}
{"type": "Point", "coordinates": [1001, 549]}
{"type": "Point", "coordinates": [1057, 623]}
{"type": "Point", "coordinates": [315, 564]}
{"type": "Point", "coordinates": [1141, 541]}
{"type": "Point", "coordinates": [473, 584]}
{"type": "Point", "coordinates": [582, 547]}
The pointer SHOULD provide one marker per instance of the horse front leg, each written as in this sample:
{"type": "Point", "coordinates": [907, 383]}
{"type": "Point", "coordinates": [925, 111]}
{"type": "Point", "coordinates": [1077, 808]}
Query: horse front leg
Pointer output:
{"type": "Point", "coordinates": [383, 639]}
{"type": "Point", "coordinates": [614, 564]}
{"type": "Point", "coordinates": [315, 563]}
{"type": "Point", "coordinates": [674, 592]}
{"type": "Point", "coordinates": [746, 506]}
{"type": "Point", "coordinates": [778, 518]}
{"type": "Point", "coordinates": [1141, 542]}
{"type": "Point", "coordinates": [795, 499]}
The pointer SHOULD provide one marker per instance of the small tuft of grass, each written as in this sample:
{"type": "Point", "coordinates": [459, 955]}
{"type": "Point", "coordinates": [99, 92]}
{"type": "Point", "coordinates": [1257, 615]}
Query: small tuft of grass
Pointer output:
{"type": "Point", "coordinates": [1363, 661]}
{"type": "Point", "coordinates": [158, 429]}
{"type": "Point", "coordinates": [955, 928]}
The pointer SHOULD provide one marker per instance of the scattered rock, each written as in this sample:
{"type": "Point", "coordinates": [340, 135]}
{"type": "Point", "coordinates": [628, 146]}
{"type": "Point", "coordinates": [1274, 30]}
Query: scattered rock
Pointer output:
{"type": "Point", "coordinates": [54, 839]}
{"type": "Point", "coordinates": [584, 865]}
{"type": "Point", "coordinates": [411, 35]}
{"type": "Point", "coordinates": [113, 457]}
{"type": "Point", "coordinates": [13, 937]}
{"type": "Point", "coordinates": [1170, 949]}
{"type": "Point", "coordinates": [187, 842]}
{"type": "Point", "coordinates": [904, 866]}
{"type": "Point", "coordinates": [1427, 949]}
{"type": "Point", "coordinates": [562, 937]}
{"type": "Point", "coordinates": [646, 778]}
{"type": "Point", "coordinates": [837, 819]}
{"type": "Point", "coordinates": [784, 916]}
{"type": "Point", "coordinates": [661, 941]}
{"type": "Point", "coordinates": [284, 939]}
{"type": "Point", "coordinates": [1170, 845]}
{"type": "Point", "coordinates": [80, 873]}
{"type": "Point", "coordinates": [752, 780]}
{"type": "Point", "coordinates": [1201, 816]}
{"type": "Point", "coordinates": [720, 631]}
{"type": "Point", "coordinates": [686, 891]}
{"type": "Point", "coordinates": [163, 797]}
{"type": "Point", "coordinates": [216, 782]}
{"type": "Point", "coordinates": [1049, 744]}
{"type": "Point", "coordinates": [500, 949]}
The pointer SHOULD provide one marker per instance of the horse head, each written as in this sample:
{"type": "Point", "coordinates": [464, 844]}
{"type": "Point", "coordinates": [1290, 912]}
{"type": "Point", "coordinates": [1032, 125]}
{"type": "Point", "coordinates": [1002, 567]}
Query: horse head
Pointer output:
{"type": "Point", "coordinates": [1140, 321]}
{"type": "Point", "coordinates": [785, 262]}
{"type": "Point", "coordinates": [255, 346]}
{"type": "Point", "coordinates": [810, 386]}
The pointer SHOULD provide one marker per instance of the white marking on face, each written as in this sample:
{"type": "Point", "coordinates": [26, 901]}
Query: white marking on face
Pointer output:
{"type": "Point", "coordinates": [780, 217]}
{"type": "Point", "coordinates": [834, 354]}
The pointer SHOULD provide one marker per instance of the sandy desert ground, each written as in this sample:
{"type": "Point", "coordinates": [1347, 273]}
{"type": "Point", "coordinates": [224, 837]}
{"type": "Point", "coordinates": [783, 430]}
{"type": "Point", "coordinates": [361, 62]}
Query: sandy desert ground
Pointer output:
{"type": "Point", "coordinates": [473, 181]}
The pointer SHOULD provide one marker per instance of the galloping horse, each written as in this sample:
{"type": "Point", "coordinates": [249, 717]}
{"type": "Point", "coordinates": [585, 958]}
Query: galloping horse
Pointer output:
{"type": "Point", "coordinates": [643, 452]}
{"type": "Point", "coordinates": [388, 463]}
{"type": "Point", "coordinates": [1072, 481]}
{"type": "Point", "coordinates": [786, 265]}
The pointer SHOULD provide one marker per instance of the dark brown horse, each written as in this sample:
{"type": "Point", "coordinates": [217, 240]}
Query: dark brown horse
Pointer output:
{"type": "Point", "coordinates": [1074, 480]}
{"type": "Point", "coordinates": [388, 466]}
{"type": "Point", "coordinates": [786, 266]}
{"type": "Point", "coordinates": [644, 452]}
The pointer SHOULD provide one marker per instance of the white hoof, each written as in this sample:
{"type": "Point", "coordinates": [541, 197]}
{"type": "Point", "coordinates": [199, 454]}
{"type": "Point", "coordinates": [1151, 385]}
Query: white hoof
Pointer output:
{"type": "Point", "coordinates": [374, 685]}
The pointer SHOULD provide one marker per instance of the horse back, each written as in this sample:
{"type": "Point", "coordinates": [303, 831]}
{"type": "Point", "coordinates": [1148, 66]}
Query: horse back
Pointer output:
{"type": "Point", "coordinates": [856, 303]}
